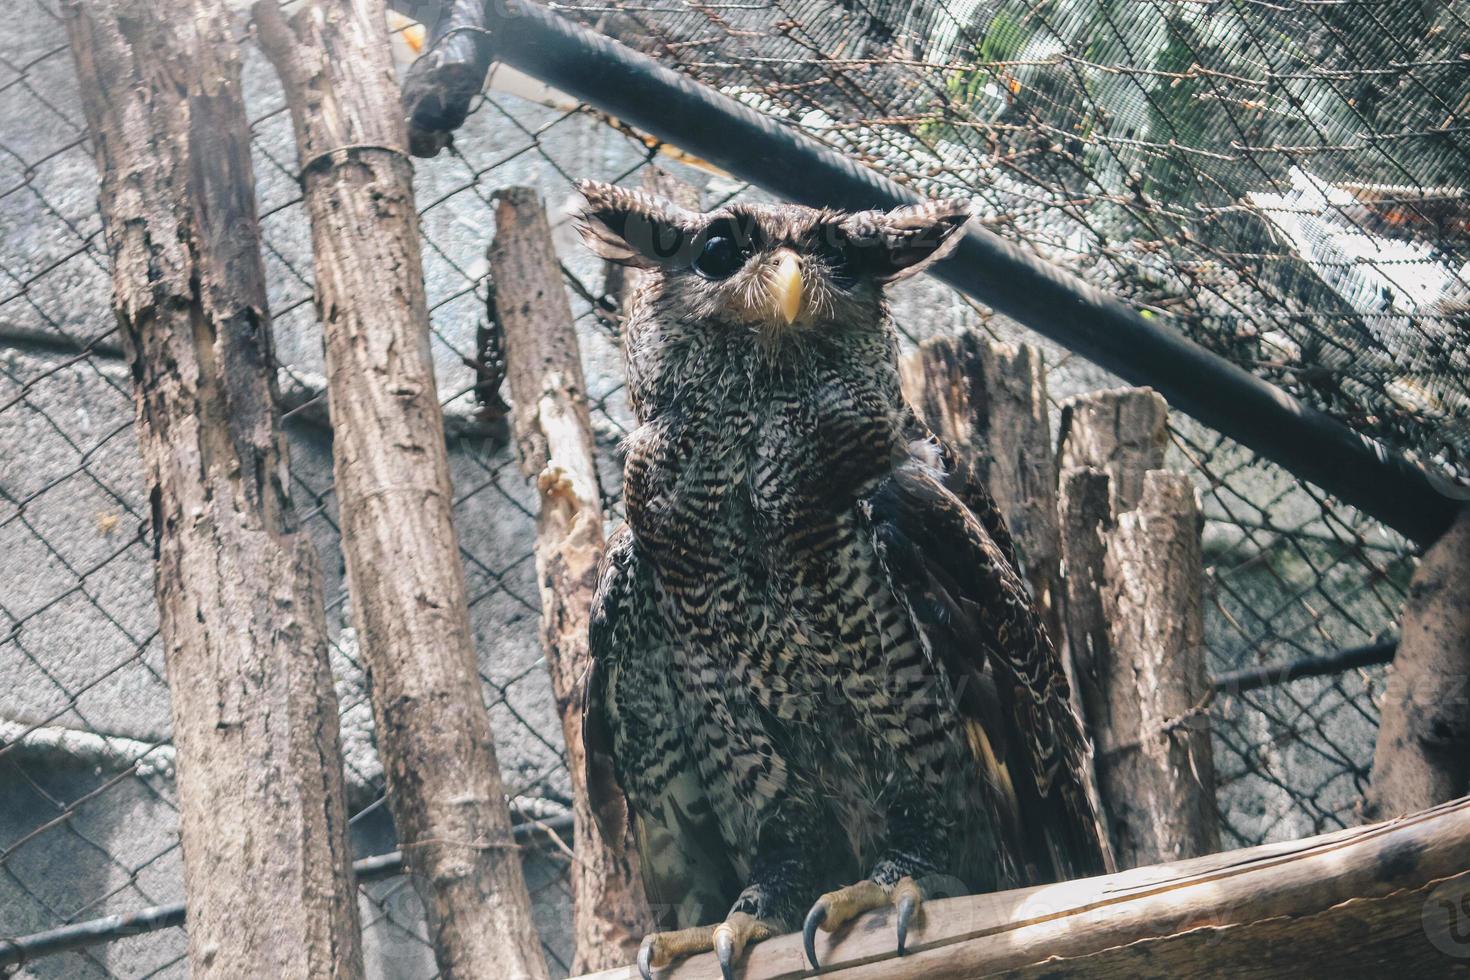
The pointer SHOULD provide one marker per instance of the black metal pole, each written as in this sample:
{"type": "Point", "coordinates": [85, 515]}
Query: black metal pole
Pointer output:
{"type": "Point", "coordinates": [1254, 678]}
{"type": "Point", "coordinates": [754, 147]}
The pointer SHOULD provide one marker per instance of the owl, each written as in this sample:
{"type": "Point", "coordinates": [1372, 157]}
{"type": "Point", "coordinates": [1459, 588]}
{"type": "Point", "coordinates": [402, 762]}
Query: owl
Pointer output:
{"type": "Point", "coordinates": [818, 685]}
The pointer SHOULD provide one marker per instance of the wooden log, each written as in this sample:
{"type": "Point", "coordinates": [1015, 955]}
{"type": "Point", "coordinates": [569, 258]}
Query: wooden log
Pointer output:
{"type": "Point", "coordinates": [262, 813]}
{"type": "Point", "coordinates": [392, 481]}
{"type": "Point", "coordinates": [1155, 763]}
{"type": "Point", "coordinates": [1423, 751]}
{"type": "Point", "coordinates": [1122, 432]}
{"type": "Point", "coordinates": [1085, 520]}
{"type": "Point", "coordinates": [1376, 901]}
{"type": "Point", "coordinates": [554, 438]}
{"type": "Point", "coordinates": [987, 402]}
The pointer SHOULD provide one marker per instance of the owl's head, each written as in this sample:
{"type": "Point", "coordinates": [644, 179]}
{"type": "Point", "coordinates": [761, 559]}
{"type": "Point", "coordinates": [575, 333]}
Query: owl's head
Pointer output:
{"type": "Point", "coordinates": [785, 269]}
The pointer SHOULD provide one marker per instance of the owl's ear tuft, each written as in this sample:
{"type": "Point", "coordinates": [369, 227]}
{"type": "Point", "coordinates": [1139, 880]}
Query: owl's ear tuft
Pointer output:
{"type": "Point", "coordinates": [630, 227]}
{"type": "Point", "coordinates": [894, 245]}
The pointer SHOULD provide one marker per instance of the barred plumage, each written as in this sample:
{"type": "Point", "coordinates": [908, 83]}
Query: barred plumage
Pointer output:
{"type": "Point", "coordinates": [815, 662]}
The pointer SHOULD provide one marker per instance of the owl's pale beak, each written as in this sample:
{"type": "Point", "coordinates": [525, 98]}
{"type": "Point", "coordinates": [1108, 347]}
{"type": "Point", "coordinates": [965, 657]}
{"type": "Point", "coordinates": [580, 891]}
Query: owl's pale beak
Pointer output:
{"type": "Point", "coordinates": [786, 286]}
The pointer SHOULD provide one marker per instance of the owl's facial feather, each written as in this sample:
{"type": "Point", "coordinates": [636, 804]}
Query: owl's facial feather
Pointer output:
{"type": "Point", "coordinates": [749, 299]}
{"type": "Point", "coordinates": [840, 250]}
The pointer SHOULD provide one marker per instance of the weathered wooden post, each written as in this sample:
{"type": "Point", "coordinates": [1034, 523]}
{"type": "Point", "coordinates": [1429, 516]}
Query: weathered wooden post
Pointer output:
{"type": "Point", "coordinates": [392, 481]}
{"type": "Point", "coordinates": [1131, 549]}
{"type": "Point", "coordinates": [262, 814]}
{"type": "Point", "coordinates": [554, 439]}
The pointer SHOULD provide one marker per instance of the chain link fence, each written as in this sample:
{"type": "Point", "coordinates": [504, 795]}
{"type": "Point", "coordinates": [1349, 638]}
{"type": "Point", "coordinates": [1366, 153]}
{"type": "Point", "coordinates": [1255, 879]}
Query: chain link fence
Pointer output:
{"type": "Point", "coordinates": [1060, 140]}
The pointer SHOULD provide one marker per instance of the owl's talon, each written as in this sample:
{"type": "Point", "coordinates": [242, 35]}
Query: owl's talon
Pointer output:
{"type": "Point", "coordinates": [645, 958]}
{"type": "Point", "coordinates": [908, 897]}
{"type": "Point", "coordinates": [659, 949]}
{"type": "Point", "coordinates": [728, 940]}
{"type": "Point", "coordinates": [725, 952]}
{"type": "Point", "coordinates": [814, 918]}
{"type": "Point", "coordinates": [835, 909]}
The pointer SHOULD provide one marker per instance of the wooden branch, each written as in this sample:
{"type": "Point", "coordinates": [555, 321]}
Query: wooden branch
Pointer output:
{"type": "Point", "coordinates": [1373, 901]}
{"type": "Point", "coordinates": [392, 481]}
{"type": "Point", "coordinates": [1155, 763]}
{"type": "Point", "coordinates": [1131, 546]}
{"type": "Point", "coordinates": [554, 439]}
{"type": "Point", "coordinates": [441, 85]}
{"type": "Point", "coordinates": [1423, 752]}
{"type": "Point", "coordinates": [262, 812]}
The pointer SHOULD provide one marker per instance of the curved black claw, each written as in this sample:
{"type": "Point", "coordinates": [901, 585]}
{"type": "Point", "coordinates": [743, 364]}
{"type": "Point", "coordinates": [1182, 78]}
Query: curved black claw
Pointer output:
{"type": "Point", "coordinates": [725, 953]}
{"type": "Point", "coordinates": [814, 918]}
{"type": "Point", "coordinates": [645, 960]}
{"type": "Point", "coordinates": [906, 907]}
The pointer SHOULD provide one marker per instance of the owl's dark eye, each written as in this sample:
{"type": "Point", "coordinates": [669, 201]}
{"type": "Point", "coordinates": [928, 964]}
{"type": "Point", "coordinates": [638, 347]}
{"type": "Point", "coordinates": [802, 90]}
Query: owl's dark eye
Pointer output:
{"type": "Point", "coordinates": [720, 257]}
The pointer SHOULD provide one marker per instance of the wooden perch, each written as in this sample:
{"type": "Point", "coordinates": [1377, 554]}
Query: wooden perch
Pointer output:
{"type": "Point", "coordinates": [1374, 901]}
{"type": "Point", "coordinates": [554, 439]}
{"type": "Point", "coordinates": [392, 480]}
{"type": "Point", "coordinates": [1423, 753]}
{"type": "Point", "coordinates": [262, 812]}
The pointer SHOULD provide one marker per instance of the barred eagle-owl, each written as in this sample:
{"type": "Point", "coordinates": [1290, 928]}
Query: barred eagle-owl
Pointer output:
{"type": "Point", "coordinates": [817, 678]}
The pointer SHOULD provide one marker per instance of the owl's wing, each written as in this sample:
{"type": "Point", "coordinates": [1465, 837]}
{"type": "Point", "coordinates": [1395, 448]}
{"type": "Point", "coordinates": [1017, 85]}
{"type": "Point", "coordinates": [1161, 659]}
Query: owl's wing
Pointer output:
{"type": "Point", "coordinates": [964, 594]}
{"type": "Point", "coordinates": [639, 771]}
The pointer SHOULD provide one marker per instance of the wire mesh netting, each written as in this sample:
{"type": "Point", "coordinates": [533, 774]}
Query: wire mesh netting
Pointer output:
{"type": "Point", "coordinates": [1244, 191]}
{"type": "Point", "coordinates": [1282, 181]}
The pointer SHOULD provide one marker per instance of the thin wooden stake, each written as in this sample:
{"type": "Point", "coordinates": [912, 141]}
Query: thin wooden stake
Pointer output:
{"type": "Point", "coordinates": [1155, 762]}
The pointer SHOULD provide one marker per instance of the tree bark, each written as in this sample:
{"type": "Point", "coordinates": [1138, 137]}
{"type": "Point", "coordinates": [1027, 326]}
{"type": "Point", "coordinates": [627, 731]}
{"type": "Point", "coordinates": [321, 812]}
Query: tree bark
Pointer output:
{"type": "Point", "coordinates": [1423, 752]}
{"type": "Point", "coordinates": [1122, 432]}
{"type": "Point", "coordinates": [1134, 581]}
{"type": "Point", "coordinates": [1086, 522]}
{"type": "Point", "coordinates": [392, 481]}
{"type": "Point", "coordinates": [262, 813]}
{"type": "Point", "coordinates": [554, 439]}
{"type": "Point", "coordinates": [1155, 762]}
{"type": "Point", "coordinates": [987, 402]}
{"type": "Point", "coordinates": [1376, 901]}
